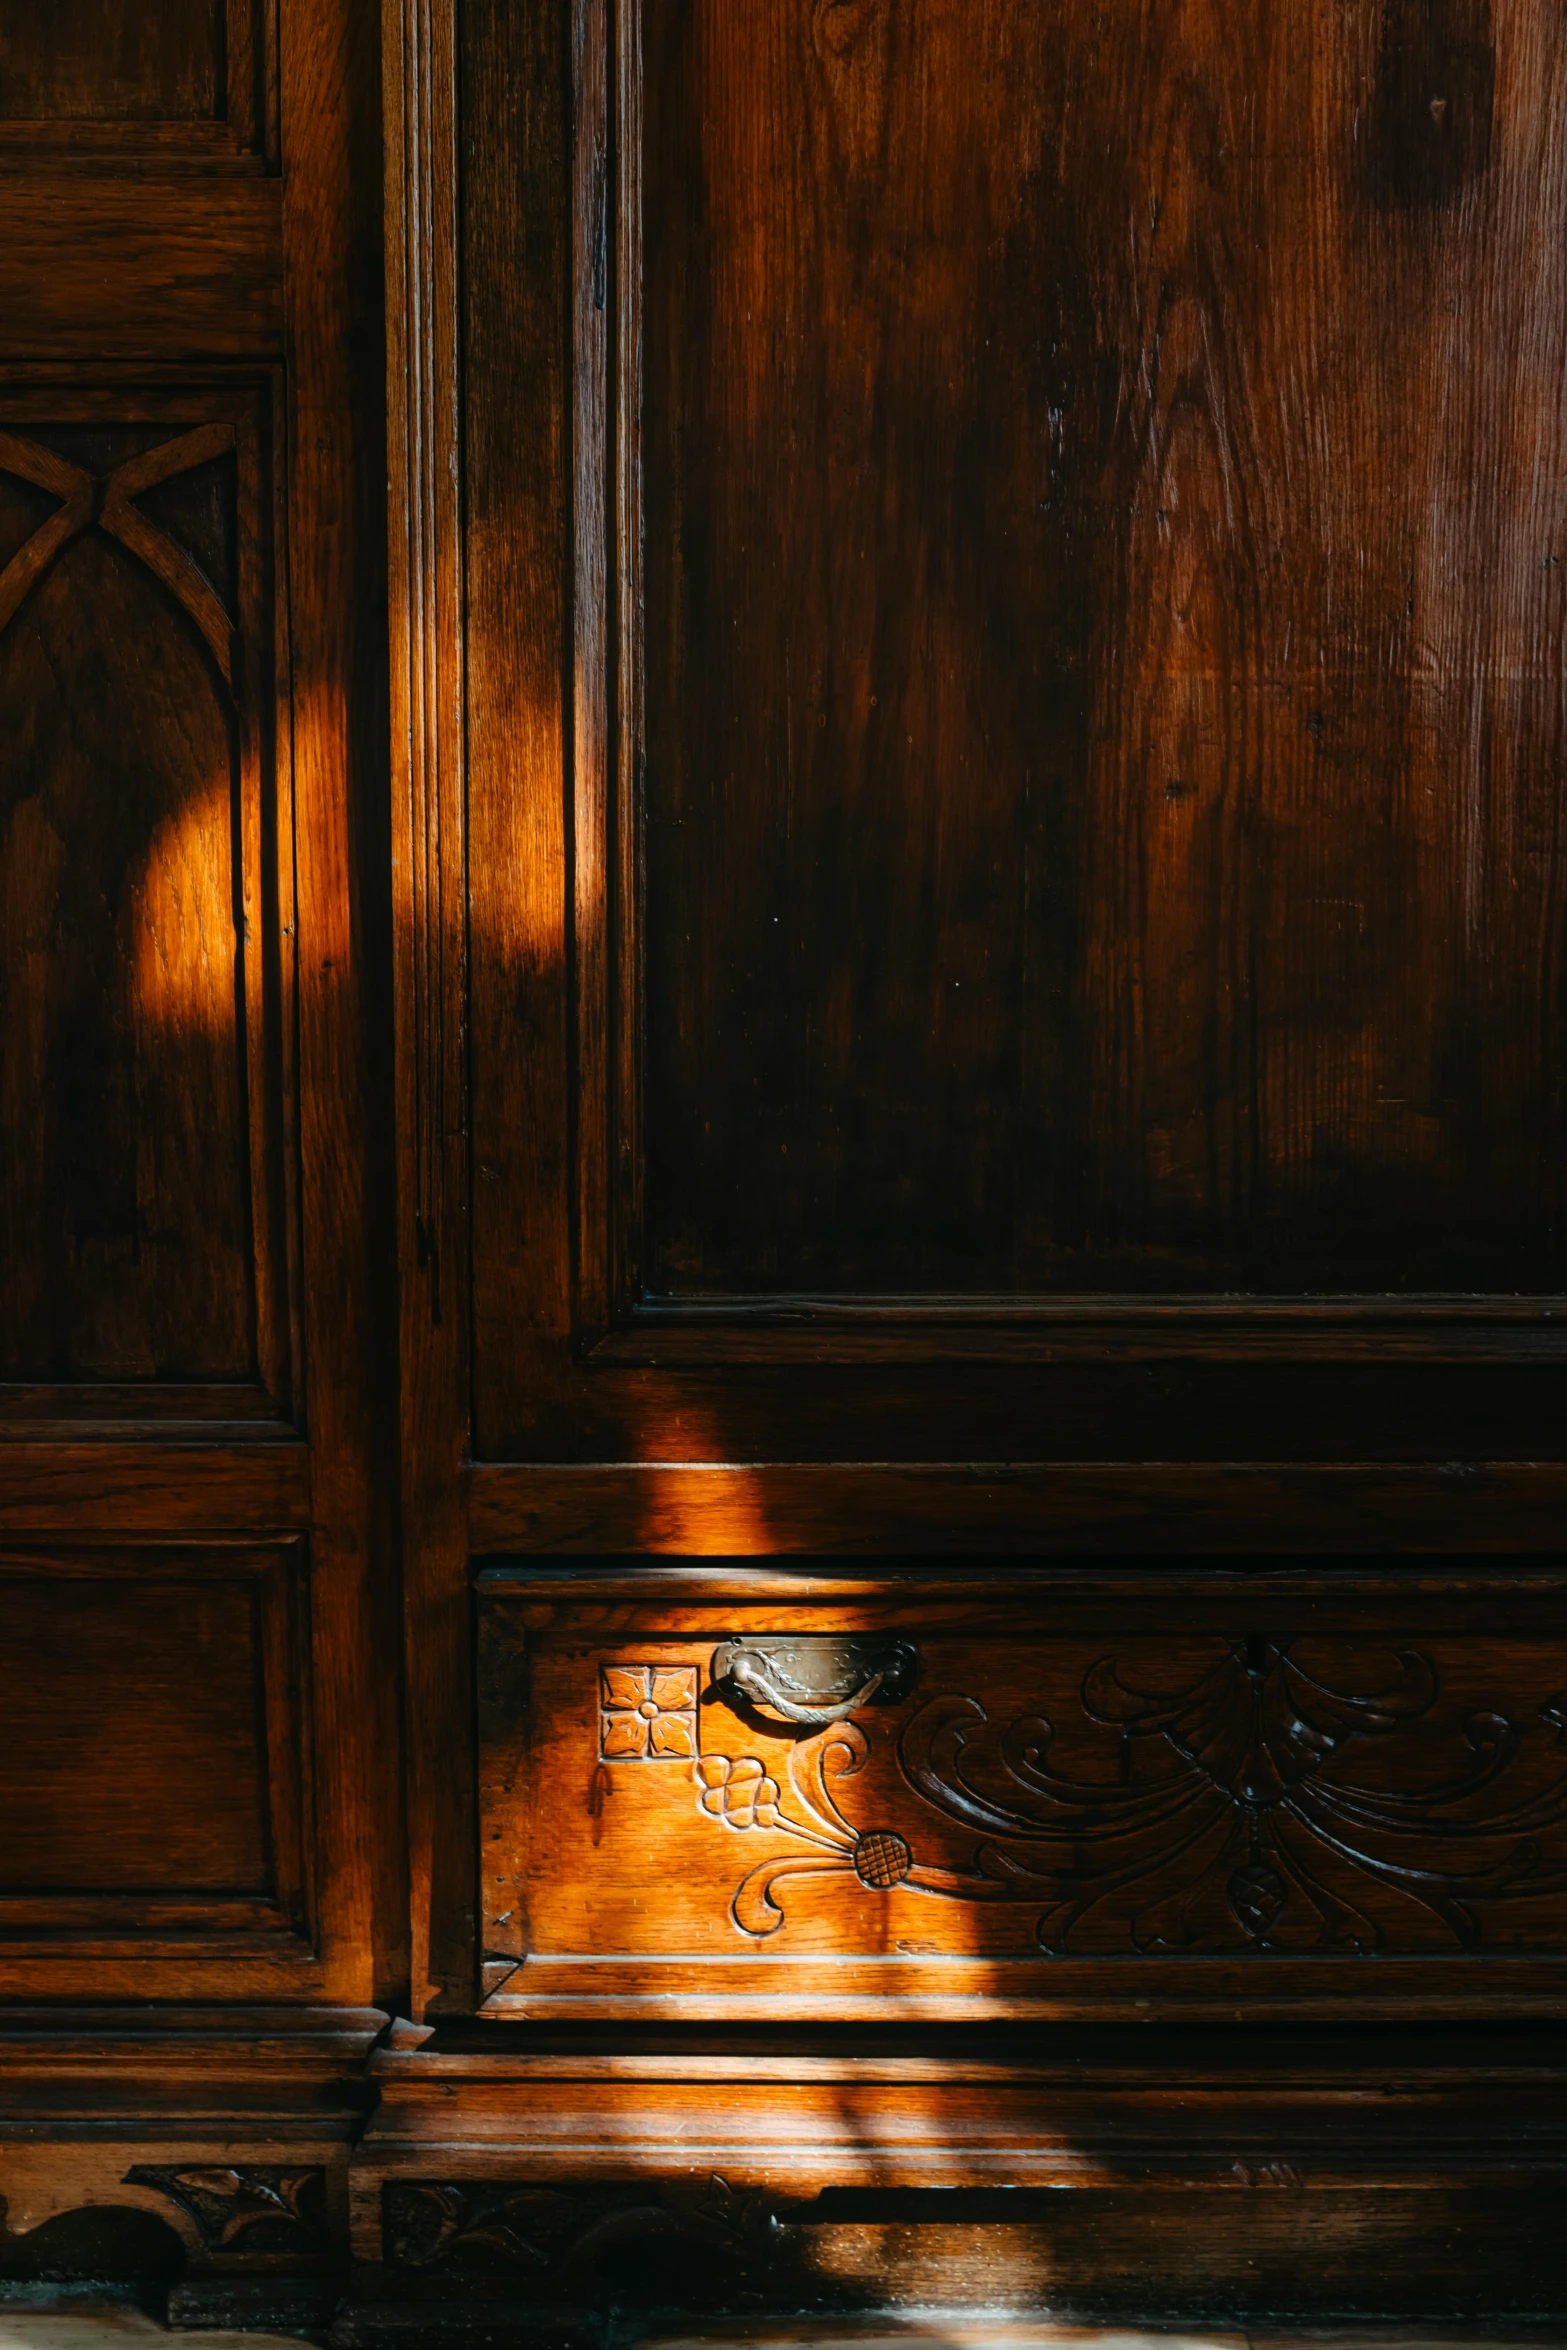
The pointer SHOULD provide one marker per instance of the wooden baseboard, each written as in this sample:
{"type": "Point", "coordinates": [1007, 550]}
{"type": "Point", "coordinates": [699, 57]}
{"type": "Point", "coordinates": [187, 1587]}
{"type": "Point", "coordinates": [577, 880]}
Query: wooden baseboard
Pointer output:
{"type": "Point", "coordinates": [476, 2181]}
{"type": "Point", "coordinates": [1303, 2172]}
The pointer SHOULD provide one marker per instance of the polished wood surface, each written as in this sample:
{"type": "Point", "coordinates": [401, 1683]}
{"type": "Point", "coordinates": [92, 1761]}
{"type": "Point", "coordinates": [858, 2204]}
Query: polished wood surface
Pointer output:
{"type": "Point", "coordinates": [1103, 661]}
{"type": "Point", "coordinates": [1056, 869]}
{"type": "Point", "coordinates": [142, 1131]}
{"type": "Point", "coordinates": [98, 60]}
{"type": "Point", "coordinates": [782, 929]}
{"type": "Point", "coordinates": [1143, 2172]}
{"type": "Point", "coordinates": [188, 1794]}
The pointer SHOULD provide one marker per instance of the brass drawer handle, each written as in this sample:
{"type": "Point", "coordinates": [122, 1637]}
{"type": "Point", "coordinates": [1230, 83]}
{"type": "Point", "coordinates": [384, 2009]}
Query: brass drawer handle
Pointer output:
{"type": "Point", "coordinates": [815, 1678]}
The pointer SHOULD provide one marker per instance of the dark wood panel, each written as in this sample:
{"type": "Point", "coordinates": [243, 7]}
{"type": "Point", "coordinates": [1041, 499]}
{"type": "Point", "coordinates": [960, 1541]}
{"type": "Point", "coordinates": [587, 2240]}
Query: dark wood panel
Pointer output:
{"type": "Point", "coordinates": [725, 1509]}
{"type": "Point", "coordinates": [153, 1486]}
{"type": "Point", "coordinates": [1427, 2249]}
{"type": "Point", "coordinates": [906, 1803]}
{"type": "Point", "coordinates": [195, 81]}
{"type": "Point", "coordinates": [93, 59]}
{"type": "Point", "coordinates": [516, 262]}
{"type": "Point", "coordinates": [152, 1780]}
{"type": "Point", "coordinates": [95, 268]}
{"type": "Point", "coordinates": [1104, 648]}
{"type": "Point", "coordinates": [136, 1761]}
{"type": "Point", "coordinates": [141, 1180]}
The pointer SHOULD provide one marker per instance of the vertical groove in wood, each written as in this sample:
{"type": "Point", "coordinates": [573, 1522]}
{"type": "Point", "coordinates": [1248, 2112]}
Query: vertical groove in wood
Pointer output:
{"type": "Point", "coordinates": [282, 864]}
{"type": "Point", "coordinates": [626, 1013]}
{"type": "Point", "coordinates": [428, 779]}
{"type": "Point", "coordinates": [593, 504]}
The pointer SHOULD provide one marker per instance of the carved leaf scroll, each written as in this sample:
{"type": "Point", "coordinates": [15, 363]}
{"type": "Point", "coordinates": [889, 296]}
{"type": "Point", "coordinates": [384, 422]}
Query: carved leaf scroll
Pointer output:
{"type": "Point", "coordinates": [553, 2232]}
{"type": "Point", "coordinates": [1232, 1811]}
{"type": "Point", "coordinates": [1231, 1814]}
{"type": "Point", "coordinates": [250, 2210]}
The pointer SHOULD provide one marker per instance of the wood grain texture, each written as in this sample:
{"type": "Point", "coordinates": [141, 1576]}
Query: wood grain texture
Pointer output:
{"type": "Point", "coordinates": [113, 1484]}
{"type": "Point", "coordinates": [154, 1786]}
{"type": "Point", "coordinates": [868, 2266]}
{"type": "Point", "coordinates": [101, 58]}
{"type": "Point", "coordinates": [728, 1509]}
{"type": "Point", "coordinates": [143, 258]}
{"type": "Point", "coordinates": [95, 268]}
{"type": "Point", "coordinates": [144, 1187]}
{"type": "Point", "coordinates": [173, 1797]}
{"type": "Point", "coordinates": [193, 81]}
{"type": "Point", "coordinates": [516, 259]}
{"type": "Point", "coordinates": [514, 68]}
{"type": "Point", "coordinates": [426, 576]}
{"type": "Point", "coordinates": [842, 313]}
{"type": "Point", "coordinates": [1104, 663]}
{"type": "Point", "coordinates": [336, 517]}
{"type": "Point", "coordinates": [1140, 2162]}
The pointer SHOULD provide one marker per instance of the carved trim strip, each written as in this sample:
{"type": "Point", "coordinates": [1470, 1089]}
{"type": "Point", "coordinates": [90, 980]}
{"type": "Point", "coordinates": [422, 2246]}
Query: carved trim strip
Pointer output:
{"type": "Point", "coordinates": [557, 2232]}
{"type": "Point", "coordinates": [106, 503]}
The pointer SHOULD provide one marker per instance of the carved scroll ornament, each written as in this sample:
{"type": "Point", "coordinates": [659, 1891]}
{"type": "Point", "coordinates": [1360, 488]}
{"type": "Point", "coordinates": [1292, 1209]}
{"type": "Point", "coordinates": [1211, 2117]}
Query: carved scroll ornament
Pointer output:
{"type": "Point", "coordinates": [244, 2210]}
{"type": "Point", "coordinates": [1227, 1817]}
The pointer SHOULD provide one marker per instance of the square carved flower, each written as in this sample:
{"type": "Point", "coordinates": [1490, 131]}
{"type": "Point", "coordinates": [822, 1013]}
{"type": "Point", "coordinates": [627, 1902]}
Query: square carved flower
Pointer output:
{"type": "Point", "coordinates": [648, 1713]}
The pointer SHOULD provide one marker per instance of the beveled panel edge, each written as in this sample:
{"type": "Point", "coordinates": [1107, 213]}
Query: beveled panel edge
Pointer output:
{"type": "Point", "coordinates": [70, 1413]}
{"type": "Point", "coordinates": [679, 1587]}
{"type": "Point", "coordinates": [105, 2036]}
{"type": "Point", "coordinates": [743, 1992]}
{"type": "Point", "coordinates": [692, 1332]}
{"type": "Point", "coordinates": [124, 145]}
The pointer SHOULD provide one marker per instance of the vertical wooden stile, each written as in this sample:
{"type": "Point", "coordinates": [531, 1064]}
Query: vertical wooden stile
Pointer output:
{"type": "Point", "coordinates": [428, 846]}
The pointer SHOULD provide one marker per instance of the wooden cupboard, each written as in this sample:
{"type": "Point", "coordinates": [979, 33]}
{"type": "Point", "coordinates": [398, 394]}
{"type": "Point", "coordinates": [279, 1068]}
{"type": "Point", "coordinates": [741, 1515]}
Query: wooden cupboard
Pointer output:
{"type": "Point", "coordinates": [781, 1151]}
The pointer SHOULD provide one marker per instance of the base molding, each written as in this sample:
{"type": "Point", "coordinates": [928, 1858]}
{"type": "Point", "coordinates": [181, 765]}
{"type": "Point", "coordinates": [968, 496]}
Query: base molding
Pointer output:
{"type": "Point", "coordinates": [461, 2183]}
{"type": "Point", "coordinates": [180, 2147]}
{"type": "Point", "coordinates": [1303, 2172]}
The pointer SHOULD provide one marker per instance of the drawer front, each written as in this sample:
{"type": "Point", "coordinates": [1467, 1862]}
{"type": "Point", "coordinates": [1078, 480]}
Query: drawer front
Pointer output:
{"type": "Point", "coordinates": [741, 1797]}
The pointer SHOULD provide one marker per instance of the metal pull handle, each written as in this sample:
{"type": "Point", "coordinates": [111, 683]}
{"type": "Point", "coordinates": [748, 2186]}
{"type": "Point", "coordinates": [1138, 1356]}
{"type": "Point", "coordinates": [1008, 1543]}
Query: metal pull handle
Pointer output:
{"type": "Point", "coordinates": [815, 1679]}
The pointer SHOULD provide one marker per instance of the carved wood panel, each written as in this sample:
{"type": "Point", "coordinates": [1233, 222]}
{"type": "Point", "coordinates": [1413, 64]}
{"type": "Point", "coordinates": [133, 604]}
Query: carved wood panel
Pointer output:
{"type": "Point", "coordinates": [1312, 1787]}
{"type": "Point", "coordinates": [144, 1202]}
